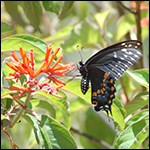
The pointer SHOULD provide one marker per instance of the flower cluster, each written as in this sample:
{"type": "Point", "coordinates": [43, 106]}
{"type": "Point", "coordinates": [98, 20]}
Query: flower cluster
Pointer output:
{"type": "Point", "coordinates": [26, 67]}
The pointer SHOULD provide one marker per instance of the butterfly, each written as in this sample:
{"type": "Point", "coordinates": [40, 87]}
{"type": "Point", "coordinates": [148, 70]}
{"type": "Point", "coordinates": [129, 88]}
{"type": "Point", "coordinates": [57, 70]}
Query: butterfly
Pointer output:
{"type": "Point", "coordinates": [104, 68]}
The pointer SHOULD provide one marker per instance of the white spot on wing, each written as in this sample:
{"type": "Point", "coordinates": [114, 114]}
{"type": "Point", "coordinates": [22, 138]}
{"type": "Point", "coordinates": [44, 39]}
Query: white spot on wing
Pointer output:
{"type": "Point", "coordinates": [115, 55]}
{"type": "Point", "coordinates": [130, 53]}
{"type": "Point", "coordinates": [138, 53]}
{"type": "Point", "coordinates": [122, 69]}
{"type": "Point", "coordinates": [124, 50]}
{"type": "Point", "coordinates": [132, 59]}
{"type": "Point", "coordinates": [129, 63]}
{"type": "Point", "coordinates": [119, 74]}
{"type": "Point", "coordinates": [126, 65]}
{"type": "Point", "coordinates": [130, 45]}
{"type": "Point", "coordinates": [138, 43]}
{"type": "Point", "coordinates": [123, 43]}
{"type": "Point", "coordinates": [125, 56]}
{"type": "Point", "coordinates": [136, 56]}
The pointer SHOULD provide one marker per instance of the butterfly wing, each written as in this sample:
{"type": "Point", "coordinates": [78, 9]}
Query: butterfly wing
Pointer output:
{"type": "Point", "coordinates": [117, 58]}
{"type": "Point", "coordinates": [129, 47]}
{"type": "Point", "coordinates": [106, 66]}
{"type": "Point", "coordinates": [103, 89]}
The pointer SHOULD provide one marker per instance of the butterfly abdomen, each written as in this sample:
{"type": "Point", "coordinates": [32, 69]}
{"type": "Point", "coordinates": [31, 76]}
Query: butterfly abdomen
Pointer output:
{"type": "Point", "coordinates": [84, 84]}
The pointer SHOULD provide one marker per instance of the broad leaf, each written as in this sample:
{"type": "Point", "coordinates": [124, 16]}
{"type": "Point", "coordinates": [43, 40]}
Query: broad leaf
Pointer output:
{"type": "Point", "coordinates": [138, 102]}
{"type": "Point", "coordinates": [141, 76]}
{"type": "Point", "coordinates": [52, 135]}
{"type": "Point", "coordinates": [135, 133]}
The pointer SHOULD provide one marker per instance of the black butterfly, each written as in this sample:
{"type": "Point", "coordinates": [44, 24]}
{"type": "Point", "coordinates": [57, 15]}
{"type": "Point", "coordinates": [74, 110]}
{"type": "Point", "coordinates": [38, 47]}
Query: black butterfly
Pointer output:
{"type": "Point", "coordinates": [106, 66]}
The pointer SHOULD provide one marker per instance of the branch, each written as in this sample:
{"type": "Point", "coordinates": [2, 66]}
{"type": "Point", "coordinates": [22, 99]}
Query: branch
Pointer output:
{"type": "Point", "coordinates": [124, 90]}
{"type": "Point", "coordinates": [126, 8]}
{"type": "Point", "coordinates": [91, 138]}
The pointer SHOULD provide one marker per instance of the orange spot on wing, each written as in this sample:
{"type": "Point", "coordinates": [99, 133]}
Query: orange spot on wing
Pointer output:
{"type": "Point", "coordinates": [106, 75]}
{"type": "Point", "coordinates": [98, 91]}
{"type": "Point", "coordinates": [94, 94]}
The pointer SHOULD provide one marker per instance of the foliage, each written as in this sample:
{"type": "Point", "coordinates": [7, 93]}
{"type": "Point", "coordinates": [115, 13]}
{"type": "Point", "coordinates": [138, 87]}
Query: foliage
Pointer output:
{"type": "Point", "coordinates": [70, 122]}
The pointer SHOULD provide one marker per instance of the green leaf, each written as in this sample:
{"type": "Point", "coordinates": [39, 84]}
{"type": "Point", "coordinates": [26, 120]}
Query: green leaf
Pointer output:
{"type": "Point", "coordinates": [96, 125]}
{"type": "Point", "coordinates": [60, 103]}
{"type": "Point", "coordinates": [26, 41]}
{"type": "Point", "coordinates": [124, 24]}
{"type": "Point", "coordinates": [135, 133]}
{"type": "Point", "coordinates": [33, 12]}
{"type": "Point", "coordinates": [67, 5]}
{"type": "Point", "coordinates": [101, 18]}
{"type": "Point", "coordinates": [138, 102]}
{"type": "Point", "coordinates": [12, 9]}
{"type": "Point", "coordinates": [52, 135]}
{"type": "Point", "coordinates": [141, 76]}
{"type": "Point", "coordinates": [53, 6]}
{"type": "Point", "coordinates": [6, 30]}
{"type": "Point", "coordinates": [43, 107]}
{"type": "Point", "coordinates": [74, 88]}
{"type": "Point", "coordinates": [118, 113]}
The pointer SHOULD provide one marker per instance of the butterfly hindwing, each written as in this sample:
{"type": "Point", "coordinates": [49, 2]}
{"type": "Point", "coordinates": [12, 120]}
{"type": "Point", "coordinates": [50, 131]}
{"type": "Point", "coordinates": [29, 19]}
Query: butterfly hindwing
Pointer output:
{"type": "Point", "coordinates": [103, 89]}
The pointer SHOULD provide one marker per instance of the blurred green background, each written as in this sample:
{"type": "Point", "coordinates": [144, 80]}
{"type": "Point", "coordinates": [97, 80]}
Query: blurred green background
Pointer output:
{"type": "Point", "coordinates": [81, 28]}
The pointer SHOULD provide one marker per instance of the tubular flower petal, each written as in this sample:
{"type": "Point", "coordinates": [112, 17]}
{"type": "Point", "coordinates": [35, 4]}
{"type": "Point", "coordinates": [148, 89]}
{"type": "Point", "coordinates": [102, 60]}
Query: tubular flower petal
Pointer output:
{"type": "Point", "coordinates": [25, 67]}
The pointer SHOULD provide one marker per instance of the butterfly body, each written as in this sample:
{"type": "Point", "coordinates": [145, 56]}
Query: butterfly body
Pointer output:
{"type": "Point", "coordinates": [104, 68]}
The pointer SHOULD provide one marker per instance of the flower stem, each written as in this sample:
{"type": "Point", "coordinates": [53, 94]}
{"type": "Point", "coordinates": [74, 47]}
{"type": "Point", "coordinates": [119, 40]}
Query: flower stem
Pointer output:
{"type": "Point", "coordinates": [16, 118]}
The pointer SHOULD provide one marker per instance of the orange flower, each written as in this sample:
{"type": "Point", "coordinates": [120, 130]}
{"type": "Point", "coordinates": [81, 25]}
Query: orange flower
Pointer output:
{"type": "Point", "coordinates": [143, 6]}
{"type": "Point", "coordinates": [145, 22]}
{"type": "Point", "coordinates": [52, 68]}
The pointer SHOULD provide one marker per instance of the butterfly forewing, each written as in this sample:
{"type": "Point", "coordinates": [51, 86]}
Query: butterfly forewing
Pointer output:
{"type": "Point", "coordinates": [130, 47]}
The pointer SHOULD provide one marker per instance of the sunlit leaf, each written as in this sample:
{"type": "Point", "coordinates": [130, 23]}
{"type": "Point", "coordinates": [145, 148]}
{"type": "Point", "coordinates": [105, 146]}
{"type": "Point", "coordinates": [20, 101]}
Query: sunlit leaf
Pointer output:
{"type": "Point", "coordinates": [141, 76]}
{"type": "Point", "coordinates": [118, 113]}
{"type": "Point", "coordinates": [138, 102]}
{"type": "Point", "coordinates": [43, 107]}
{"type": "Point", "coordinates": [74, 87]}
{"type": "Point", "coordinates": [51, 134]}
{"type": "Point", "coordinates": [101, 18]}
{"type": "Point", "coordinates": [60, 103]}
{"type": "Point", "coordinates": [28, 42]}
{"type": "Point", "coordinates": [124, 25]}
{"type": "Point", "coordinates": [135, 133]}
{"type": "Point", "coordinates": [23, 40]}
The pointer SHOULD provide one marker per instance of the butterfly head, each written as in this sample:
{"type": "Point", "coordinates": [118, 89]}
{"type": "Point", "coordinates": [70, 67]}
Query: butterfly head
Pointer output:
{"type": "Point", "coordinates": [82, 68]}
